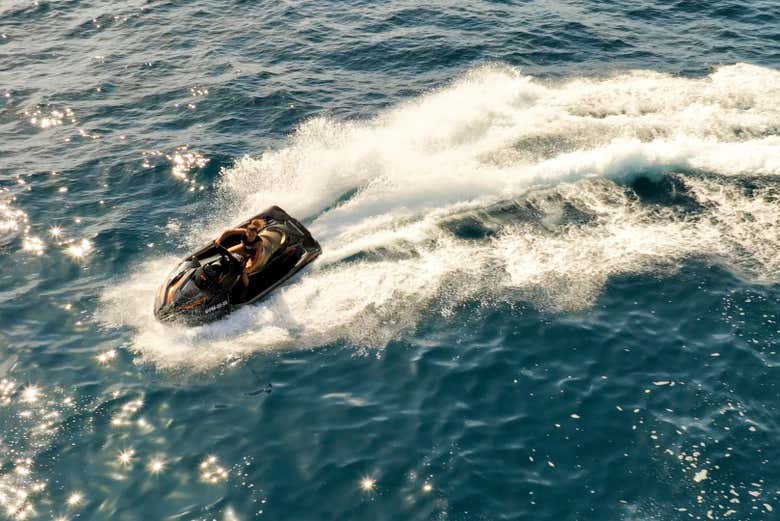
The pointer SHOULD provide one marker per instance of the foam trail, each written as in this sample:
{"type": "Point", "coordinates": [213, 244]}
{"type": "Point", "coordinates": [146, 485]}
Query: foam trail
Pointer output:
{"type": "Point", "coordinates": [385, 190]}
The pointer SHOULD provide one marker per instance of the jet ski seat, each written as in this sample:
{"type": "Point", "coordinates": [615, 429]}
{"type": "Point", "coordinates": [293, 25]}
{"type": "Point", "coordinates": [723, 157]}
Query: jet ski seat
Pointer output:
{"type": "Point", "coordinates": [282, 242]}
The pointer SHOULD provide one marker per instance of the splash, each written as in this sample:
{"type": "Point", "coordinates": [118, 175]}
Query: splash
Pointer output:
{"type": "Point", "coordinates": [544, 172]}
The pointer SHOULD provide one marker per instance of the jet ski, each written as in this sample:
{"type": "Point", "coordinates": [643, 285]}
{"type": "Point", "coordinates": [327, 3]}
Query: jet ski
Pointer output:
{"type": "Point", "coordinates": [207, 285]}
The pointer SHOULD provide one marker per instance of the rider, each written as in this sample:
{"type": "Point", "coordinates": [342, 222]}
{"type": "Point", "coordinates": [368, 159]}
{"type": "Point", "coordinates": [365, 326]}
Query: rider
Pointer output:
{"type": "Point", "coordinates": [258, 244]}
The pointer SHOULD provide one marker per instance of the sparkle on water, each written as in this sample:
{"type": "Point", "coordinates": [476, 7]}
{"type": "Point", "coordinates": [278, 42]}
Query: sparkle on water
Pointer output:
{"type": "Point", "coordinates": [31, 393]}
{"type": "Point", "coordinates": [75, 499]}
{"type": "Point", "coordinates": [211, 471]}
{"type": "Point", "coordinates": [156, 465]}
{"type": "Point", "coordinates": [80, 249]}
{"type": "Point", "coordinates": [45, 117]}
{"type": "Point", "coordinates": [106, 357]}
{"type": "Point", "coordinates": [33, 245]}
{"type": "Point", "coordinates": [367, 483]}
{"type": "Point", "coordinates": [184, 160]}
{"type": "Point", "coordinates": [10, 217]}
{"type": "Point", "coordinates": [126, 456]}
{"type": "Point", "coordinates": [123, 417]}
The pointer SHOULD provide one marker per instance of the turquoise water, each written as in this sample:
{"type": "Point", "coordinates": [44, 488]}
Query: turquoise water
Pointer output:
{"type": "Point", "coordinates": [549, 282]}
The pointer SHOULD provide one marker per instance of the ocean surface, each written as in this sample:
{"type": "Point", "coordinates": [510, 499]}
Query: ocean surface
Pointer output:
{"type": "Point", "coordinates": [550, 274]}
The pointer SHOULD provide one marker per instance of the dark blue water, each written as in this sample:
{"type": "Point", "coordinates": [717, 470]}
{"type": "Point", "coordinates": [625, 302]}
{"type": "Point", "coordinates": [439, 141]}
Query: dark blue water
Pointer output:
{"type": "Point", "coordinates": [549, 286]}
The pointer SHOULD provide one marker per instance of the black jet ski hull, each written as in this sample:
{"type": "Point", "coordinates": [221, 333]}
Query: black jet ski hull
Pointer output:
{"type": "Point", "coordinates": [206, 286]}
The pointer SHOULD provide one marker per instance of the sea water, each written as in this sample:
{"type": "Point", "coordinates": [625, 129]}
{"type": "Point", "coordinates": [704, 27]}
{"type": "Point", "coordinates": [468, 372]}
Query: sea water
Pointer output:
{"type": "Point", "coordinates": [550, 272]}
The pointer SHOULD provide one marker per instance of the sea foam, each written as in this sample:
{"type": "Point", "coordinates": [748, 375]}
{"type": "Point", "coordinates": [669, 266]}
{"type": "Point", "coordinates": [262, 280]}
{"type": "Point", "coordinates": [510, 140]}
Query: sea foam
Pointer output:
{"type": "Point", "coordinates": [378, 194]}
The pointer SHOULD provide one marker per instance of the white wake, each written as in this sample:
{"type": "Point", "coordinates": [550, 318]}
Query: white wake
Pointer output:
{"type": "Point", "coordinates": [379, 192]}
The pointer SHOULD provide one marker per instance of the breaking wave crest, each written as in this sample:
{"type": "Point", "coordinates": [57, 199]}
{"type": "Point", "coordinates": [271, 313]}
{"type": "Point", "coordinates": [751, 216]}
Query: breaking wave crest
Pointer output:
{"type": "Point", "coordinates": [498, 188]}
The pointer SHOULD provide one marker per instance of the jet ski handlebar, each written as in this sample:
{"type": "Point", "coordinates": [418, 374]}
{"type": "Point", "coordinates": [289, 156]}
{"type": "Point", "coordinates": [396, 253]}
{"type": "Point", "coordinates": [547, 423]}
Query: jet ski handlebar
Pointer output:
{"type": "Point", "coordinates": [225, 254]}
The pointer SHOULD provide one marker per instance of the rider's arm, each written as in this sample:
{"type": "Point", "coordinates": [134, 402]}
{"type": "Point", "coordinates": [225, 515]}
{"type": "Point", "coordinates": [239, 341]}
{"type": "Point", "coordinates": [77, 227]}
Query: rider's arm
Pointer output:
{"type": "Point", "coordinates": [228, 233]}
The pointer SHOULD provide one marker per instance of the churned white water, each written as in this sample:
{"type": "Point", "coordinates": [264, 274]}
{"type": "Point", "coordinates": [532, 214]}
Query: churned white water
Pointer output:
{"type": "Point", "coordinates": [378, 193]}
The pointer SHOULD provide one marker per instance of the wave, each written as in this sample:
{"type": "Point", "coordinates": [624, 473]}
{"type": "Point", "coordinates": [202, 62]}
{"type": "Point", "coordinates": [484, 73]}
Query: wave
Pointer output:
{"type": "Point", "coordinates": [501, 187]}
